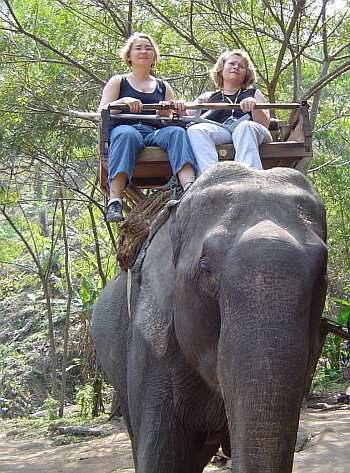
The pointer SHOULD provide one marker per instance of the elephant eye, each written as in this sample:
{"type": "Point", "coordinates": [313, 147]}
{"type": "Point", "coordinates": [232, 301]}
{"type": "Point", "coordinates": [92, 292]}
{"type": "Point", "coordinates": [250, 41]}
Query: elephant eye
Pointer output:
{"type": "Point", "coordinates": [207, 281]}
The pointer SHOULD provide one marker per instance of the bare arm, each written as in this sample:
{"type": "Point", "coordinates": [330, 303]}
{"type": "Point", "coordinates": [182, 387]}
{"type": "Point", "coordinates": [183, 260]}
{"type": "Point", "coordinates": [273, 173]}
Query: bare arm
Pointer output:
{"type": "Point", "coordinates": [202, 98]}
{"type": "Point", "coordinates": [169, 93]}
{"type": "Point", "coordinates": [111, 93]}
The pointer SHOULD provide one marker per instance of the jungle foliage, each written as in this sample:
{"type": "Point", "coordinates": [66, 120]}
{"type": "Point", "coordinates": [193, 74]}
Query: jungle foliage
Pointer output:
{"type": "Point", "coordinates": [56, 251]}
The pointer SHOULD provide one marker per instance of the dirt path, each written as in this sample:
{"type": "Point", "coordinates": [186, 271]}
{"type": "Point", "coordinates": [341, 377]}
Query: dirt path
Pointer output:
{"type": "Point", "coordinates": [328, 451]}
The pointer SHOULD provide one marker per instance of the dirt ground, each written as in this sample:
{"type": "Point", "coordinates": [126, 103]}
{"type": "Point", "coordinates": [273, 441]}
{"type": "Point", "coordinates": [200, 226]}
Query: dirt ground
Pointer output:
{"type": "Point", "coordinates": [328, 451]}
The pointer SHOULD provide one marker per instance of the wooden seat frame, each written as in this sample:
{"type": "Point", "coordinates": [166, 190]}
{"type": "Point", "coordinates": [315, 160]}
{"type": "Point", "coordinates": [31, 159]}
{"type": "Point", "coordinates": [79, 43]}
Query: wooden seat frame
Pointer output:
{"type": "Point", "coordinates": [292, 147]}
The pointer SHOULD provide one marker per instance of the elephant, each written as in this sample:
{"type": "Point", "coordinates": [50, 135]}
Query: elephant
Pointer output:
{"type": "Point", "coordinates": [212, 339]}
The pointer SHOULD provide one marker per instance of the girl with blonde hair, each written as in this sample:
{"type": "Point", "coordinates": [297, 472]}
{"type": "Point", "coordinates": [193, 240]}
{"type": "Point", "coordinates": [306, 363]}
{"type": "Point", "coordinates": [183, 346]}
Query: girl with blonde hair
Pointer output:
{"type": "Point", "coordinates": [129, 137]}
{"type": "Point", "coordinates": [247, 128]}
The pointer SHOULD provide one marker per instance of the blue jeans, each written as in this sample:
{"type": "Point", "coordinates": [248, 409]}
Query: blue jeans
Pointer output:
{"type": "Point", "coordinates": [126, 141]}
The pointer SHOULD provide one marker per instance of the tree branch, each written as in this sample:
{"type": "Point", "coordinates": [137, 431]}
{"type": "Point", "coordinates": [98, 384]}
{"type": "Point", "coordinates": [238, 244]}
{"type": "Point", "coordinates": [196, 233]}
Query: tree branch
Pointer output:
{"type": "Point", "coordinates": [320, 84]}
{"type": "Point", "coordinates": [183, 35]}
{"type": "Point", "coordinates": [299, 5]}
{"type": "Point", "coordinates": [47, 45]}
{"type": "Point", "coordinates": [24, 241]}
{"type": "Point", "coordinates": [121, 24]}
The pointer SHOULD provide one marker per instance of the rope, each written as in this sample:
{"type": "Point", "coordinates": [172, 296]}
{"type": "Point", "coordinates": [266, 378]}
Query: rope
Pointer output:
{"type": "Point", "coordinates": [135, 229]}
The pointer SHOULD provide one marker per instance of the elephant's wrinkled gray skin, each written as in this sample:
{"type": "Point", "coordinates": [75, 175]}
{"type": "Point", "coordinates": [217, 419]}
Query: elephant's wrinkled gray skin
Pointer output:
{"type": "Point", "coordinates": [223, 333]}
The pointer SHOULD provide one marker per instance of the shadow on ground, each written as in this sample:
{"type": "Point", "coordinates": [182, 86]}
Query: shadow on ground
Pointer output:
{"type": "Point", "coordinates": [327, 451]}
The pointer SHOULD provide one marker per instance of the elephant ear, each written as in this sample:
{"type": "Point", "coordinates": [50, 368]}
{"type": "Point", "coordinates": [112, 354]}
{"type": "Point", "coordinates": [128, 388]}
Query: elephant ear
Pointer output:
{"type": "Point", "coordinates": [109, 328]}
{"type": "Point", "coordinates": [317, 330]}
{"type": "Point", "coordinates": [152, 312]}
{"type": "Point", "coordinates": [179, 219]}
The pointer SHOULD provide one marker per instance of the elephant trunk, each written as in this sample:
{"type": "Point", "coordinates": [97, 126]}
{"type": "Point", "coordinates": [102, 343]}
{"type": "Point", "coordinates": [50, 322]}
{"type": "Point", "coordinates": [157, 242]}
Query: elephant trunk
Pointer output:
{"type": "Point", "coordinates": [262, 359]}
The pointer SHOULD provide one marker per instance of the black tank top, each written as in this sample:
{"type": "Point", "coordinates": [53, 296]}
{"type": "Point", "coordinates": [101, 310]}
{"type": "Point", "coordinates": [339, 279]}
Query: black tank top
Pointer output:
{"type": "Point", "coordinates": [221, 115]}
{"type": "Point", "coordinates": [126, 90]}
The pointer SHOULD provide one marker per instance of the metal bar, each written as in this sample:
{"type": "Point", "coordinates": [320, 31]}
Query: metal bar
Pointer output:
{"type": "Point", "coordinates": [210, 106]}
{"type": "Point", "coordinates": [138, 116]}
{"type": "Point", "coordinates": [159, 118]}
{"type": "Point", "coordinates": [177, 120]}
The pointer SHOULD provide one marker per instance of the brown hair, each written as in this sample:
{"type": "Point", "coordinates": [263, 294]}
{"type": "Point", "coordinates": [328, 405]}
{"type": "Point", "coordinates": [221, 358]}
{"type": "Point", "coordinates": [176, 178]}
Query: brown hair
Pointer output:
{"type": "Point", "coordinates": [216, 72]}
{"type": "Point", "coordinates": [125, 51]}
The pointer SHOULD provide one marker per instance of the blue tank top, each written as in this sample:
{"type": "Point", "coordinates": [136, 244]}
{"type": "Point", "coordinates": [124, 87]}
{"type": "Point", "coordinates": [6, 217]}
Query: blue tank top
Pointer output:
{"type": "Point", "coordinates": [126, 90]}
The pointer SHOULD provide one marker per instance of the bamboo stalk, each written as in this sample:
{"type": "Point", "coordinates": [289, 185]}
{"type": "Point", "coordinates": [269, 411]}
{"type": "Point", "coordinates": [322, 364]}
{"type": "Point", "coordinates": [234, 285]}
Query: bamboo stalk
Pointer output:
{"type": "Point", "coordinates": [210, 106]}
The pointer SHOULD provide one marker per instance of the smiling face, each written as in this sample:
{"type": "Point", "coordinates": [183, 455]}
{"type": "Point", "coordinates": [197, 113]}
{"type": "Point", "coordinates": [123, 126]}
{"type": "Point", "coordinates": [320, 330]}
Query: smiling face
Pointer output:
{"type": "Point", "coordinates": [234, 70]}
{"type": "Point", "coordinates": [142, 53]}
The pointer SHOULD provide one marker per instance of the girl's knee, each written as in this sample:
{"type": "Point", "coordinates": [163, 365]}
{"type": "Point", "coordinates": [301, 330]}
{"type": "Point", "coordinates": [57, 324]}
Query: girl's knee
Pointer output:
{"type": "Point", "coordinates": [197, 130]}
{"type": "Point", "coordinates": [178, 132]}
{"type": "Point", "coordinates": [244, 129]}
{"type": "Point", "coordinates": [168, 135]}
{"type": "Point", "coordinates": [246, 125]}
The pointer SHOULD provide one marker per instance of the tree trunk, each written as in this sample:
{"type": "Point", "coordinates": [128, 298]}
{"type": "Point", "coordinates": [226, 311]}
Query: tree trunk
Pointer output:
{"type": "Point", "coordinates": [97, 403]}
{"type": "Point", "coordinates": [97, 247]}
{"type": "Point", "coordinates": [67, 270]}
{"type": "Point", "coordinates": [53, 355]}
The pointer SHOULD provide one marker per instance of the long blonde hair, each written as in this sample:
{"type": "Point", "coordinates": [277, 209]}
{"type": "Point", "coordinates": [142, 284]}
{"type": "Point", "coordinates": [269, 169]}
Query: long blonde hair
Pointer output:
{"type": "Point", "coordinates": [216, 72]}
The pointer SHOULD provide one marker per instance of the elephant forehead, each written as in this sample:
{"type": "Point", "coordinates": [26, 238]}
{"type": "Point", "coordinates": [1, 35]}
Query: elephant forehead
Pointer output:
{"type": "Point", "coordinates": [235, 204]}
{"type": "Point", "coordinates": [233, 178]}
{"type": "Point", "coordinates": [246, 194]}
{"type": "Point", "coordinates": [232, 173]}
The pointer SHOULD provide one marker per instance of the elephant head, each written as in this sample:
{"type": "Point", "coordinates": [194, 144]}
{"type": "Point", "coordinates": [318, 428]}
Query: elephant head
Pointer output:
{"type": "Point", "coordinates": [250, 258]}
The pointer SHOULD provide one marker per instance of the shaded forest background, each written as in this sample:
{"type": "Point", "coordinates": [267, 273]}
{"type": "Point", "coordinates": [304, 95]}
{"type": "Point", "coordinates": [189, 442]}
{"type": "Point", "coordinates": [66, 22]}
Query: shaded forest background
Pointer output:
{"type": "Point", "coordinates": [56, 251]}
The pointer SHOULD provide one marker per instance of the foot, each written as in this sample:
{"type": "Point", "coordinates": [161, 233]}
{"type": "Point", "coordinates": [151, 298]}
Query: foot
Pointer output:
{"type": "Point", "coordinates": [114, 212]}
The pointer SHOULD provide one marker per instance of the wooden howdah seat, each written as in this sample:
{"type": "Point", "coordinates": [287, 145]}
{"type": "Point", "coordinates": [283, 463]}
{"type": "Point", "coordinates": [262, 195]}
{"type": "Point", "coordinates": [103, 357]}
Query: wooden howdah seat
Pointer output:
{"type": "Point", "coordinates": [291, 147]}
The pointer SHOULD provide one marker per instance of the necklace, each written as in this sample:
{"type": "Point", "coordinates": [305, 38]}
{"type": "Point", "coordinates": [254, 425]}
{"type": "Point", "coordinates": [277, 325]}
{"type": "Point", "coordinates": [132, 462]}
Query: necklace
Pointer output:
{"type": "Point", "coordinates": [225, 97]}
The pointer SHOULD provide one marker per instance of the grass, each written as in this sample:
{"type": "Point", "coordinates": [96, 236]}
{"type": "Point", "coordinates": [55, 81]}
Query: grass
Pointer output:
{"type": "Point", "coordinates": [322, 384]}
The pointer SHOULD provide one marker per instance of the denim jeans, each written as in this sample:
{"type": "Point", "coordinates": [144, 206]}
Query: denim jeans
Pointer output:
{"type": "Point", "coordinates": [126, 141]}
{"type": "Point", "coordinates": [246, 138]}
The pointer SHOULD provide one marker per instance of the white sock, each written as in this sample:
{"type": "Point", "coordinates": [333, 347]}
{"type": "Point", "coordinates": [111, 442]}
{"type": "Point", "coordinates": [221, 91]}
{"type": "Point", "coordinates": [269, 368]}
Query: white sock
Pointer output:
{"type": "Point", "coordinates": [114, 200]}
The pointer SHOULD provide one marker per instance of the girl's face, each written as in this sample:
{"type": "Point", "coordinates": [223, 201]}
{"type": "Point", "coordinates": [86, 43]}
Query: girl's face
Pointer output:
{"type": "Point", "coordinates": [235, 69]}
{"type": "Point", "coordinates": [142, 52]}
